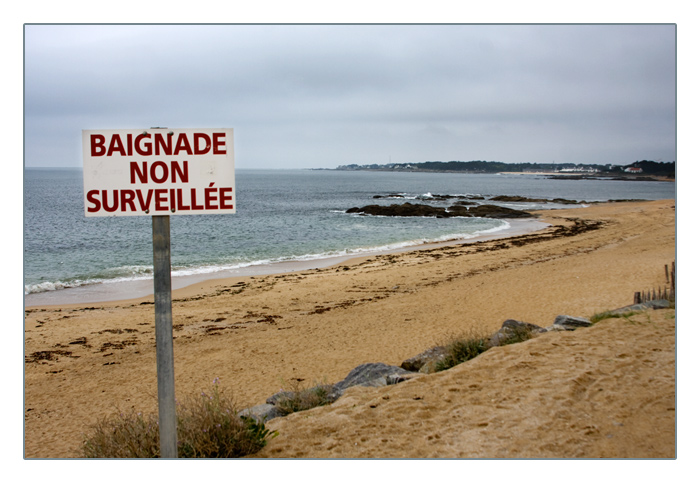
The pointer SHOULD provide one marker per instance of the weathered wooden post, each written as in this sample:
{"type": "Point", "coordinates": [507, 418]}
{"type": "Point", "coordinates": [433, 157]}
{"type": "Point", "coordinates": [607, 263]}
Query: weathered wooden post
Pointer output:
{"type": "Point", "coordinates": [165, 361]}
{"type": "Point", "coordinates": [673, 280]}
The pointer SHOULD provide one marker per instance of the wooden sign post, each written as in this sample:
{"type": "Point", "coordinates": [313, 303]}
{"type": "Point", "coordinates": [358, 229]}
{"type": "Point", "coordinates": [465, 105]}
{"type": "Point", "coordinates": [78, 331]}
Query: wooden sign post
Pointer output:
{"type": "Point", "coordinates": [160, 172]}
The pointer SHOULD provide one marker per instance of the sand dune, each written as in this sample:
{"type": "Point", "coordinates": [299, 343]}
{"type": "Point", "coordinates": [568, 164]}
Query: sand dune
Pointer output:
{"type": "Point", "coordinates": [602, 392]}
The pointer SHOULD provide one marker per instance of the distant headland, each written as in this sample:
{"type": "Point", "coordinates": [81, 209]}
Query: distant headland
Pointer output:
{"type": "Point", "coordinates": [640, 170]}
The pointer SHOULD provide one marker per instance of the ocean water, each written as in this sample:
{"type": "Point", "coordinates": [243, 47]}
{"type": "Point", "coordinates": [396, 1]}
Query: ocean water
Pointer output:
{"type": "Point", "coordinates": [282, 216]}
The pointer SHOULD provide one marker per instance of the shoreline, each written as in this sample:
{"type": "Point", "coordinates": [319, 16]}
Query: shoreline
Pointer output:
{"type": "Point", "coordinates": [142, 289]}
{"type": "Point", "coordinates": [259, 334]}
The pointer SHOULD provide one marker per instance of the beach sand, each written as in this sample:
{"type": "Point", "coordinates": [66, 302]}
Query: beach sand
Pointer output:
{"type": "Point", "coordinates": [606, 391]}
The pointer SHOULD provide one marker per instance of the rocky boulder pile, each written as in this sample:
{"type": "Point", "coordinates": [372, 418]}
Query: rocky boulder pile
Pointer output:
{"type": "Point", "coordinates": [378, 374]}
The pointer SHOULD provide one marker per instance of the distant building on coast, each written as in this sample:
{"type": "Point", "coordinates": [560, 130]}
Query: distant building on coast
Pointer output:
{"type": "Point", "coordinates": [577, 169]}
{"type": "Point", "coordinates": [633, 170]}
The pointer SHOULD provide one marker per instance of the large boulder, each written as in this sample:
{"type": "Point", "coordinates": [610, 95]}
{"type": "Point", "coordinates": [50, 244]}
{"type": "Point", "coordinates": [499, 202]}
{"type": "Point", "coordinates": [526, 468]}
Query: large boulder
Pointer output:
{"type": "Point", "coordinates": [430, 357]}
{"type": "Point", "coordinates": [373, 374]}
{"type": "Point", "coordinates": [458, 210]}
{"type": "Point", "coordinates": [262, 412]}
{"type": "Point", "coordinates": [568, 322]}
{"type": "Point", "coordinates": [321, 393]}
{"type": "Point", "coordinates": [493, 211]}
{"type": "Point", "coordinates": [513, 331]}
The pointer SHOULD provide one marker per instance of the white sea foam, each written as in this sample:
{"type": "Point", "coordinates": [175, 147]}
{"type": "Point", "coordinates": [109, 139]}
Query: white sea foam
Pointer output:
{"type": "Point", "coordinates": [145, 272]}
{"type": "Point", "coordinates": [205, 269]}
{"type": "Point", "coordinates": [48, 287]}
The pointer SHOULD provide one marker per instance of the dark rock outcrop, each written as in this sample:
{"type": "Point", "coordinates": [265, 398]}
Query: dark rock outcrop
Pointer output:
{"type": "Point", "coordinates": [525, 199]}
{"type": "Point", "coordinates": [458, 210]}
{"type": "Point", "coordinates": [493, 211]}
{"type": "Point", "coordinates": [565, 201]}
{"type": "Point", "coordinates": [517, 199]}
{"type": "Point", "coordinates": [405, 209]}
{"type": "Point", "coordinates": [412, 209]}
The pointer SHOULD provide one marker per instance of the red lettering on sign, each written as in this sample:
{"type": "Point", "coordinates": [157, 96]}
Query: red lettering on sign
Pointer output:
{"type": "Point", "coordinates": [207, 143]}
{"type": "Point", "coordinates": [116, 145]}
{"type": "Point", "coordinates": [160, 199]}
{"type": "Point", "coordinates": [164, 199]}
{"type": "Point", "coordinates": [164, 172]}
{"type": "Point", "coordinates": [180, 205]}
{"type": "Point", "coordinates": [224, 198]}
{"type": "Point", "coordinates": [144, 204]}
{"type": "Point", "coordinates": [160, 142]}
{"type": "Point", "coordinates": [127, 198]}
{"type": "Point", "coordinates": [92, 197]}
{"type": "Point", "coordinates": [97, 145]}
{"type": "Point", "coordinates": [182, 144]}
{"type": "Point", "coordinates": [115, 200]}
{"type": "Point", "coordinates": [175, 169]}
{"type": "Point", "coordinates": [141, 173]}
{"type": "Point", "coordinates": [219, 142]}
{"type": "Point", "coordinates": [210, 197]}
{"type": "Point", "coordinates": [139, 148]}
{"type": "Point", "coordinates": [195, 206]}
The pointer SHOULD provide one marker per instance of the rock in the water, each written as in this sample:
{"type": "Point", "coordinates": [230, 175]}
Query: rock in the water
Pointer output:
{"type": "Point", "coordinates": [518, 199]}
{"type": "Point", "coordinates": [458, 210]}
{"type": "Point", "coordinates": [569, 322]}
{"type": "Point", "coordinates": [493, 211]}
{"type": "Point", "coordinates": [412, 209]}
{"type": "Point", "coordinates": [405, 209]}
{"type": "Point", "coordinates": [565, 201]}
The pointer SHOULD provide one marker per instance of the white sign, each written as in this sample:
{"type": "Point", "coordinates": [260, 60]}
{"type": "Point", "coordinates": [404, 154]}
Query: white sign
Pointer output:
{"type": "Point", "coordinates": [158, 171]}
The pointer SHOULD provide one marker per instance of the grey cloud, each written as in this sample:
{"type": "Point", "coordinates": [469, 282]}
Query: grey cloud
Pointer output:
{"type": "Point", "coordinates": [309, 95]}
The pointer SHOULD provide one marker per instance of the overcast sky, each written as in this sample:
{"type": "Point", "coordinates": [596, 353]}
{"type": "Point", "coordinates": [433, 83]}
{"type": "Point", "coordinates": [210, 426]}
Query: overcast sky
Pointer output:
{"type": "Point", "coordinates": [317, 96]}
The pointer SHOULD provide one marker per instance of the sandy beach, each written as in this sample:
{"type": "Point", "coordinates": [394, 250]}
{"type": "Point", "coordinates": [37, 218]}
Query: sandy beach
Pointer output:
{"type": "Point", "coordinates": [603, 392]}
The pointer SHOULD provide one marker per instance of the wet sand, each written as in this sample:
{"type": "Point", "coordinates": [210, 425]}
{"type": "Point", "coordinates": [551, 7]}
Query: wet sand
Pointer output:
{"type": "Point", "coordinates": [259, 334]}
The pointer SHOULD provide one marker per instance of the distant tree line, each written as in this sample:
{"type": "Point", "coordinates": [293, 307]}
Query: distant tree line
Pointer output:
{"type": "Point", "coordinates": [648, 167]}
{"type": "Point", "coordinates": [655, 168]}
